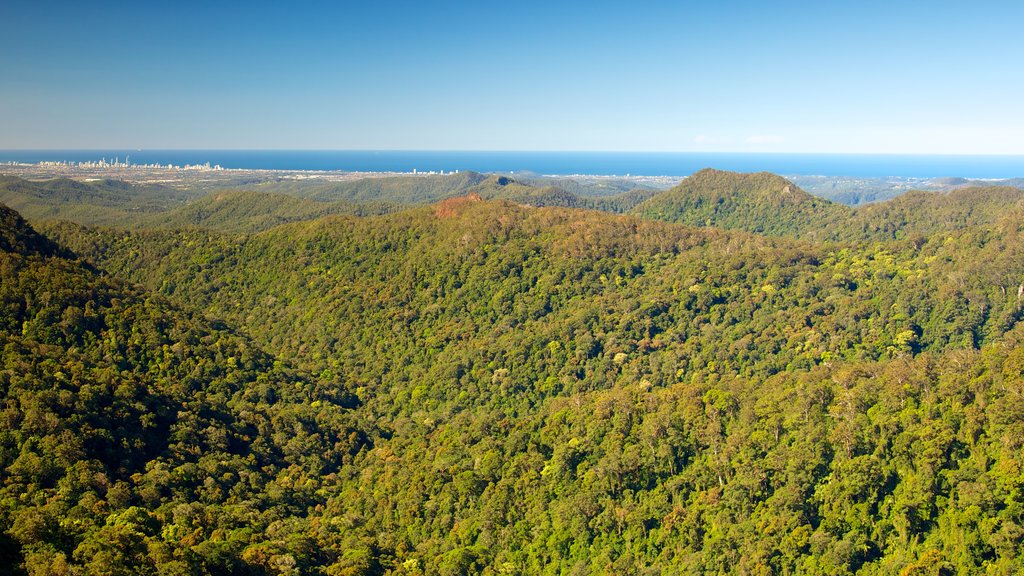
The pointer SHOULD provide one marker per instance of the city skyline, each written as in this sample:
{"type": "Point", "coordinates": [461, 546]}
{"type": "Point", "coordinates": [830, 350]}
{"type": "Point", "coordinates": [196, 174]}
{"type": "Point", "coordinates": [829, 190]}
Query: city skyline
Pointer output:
{"type": "Point", "coordinates": [659, 76]}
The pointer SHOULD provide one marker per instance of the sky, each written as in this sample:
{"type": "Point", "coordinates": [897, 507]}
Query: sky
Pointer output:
{"type": "Point", "coordinates": [731, 76]}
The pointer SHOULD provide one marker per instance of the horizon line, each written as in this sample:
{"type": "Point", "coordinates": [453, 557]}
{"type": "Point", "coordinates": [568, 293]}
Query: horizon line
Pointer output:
{"type": "Point", "coordinates": [515, 151]}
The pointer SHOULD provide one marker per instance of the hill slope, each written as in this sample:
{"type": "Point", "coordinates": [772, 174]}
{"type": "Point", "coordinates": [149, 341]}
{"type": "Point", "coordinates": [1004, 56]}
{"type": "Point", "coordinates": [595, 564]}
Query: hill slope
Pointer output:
{"type": "Point", "coordinates": [762, 203]}
{"type": "Point", "coordinates": [924, 213]}
{"type": "Point", "coordinates": [109, 202]}
{"type": "Point", "coordinates": [250, 211]}
{"type": "Point", "coordinates": [506, 188]}
{"type": "Point", "coordinates": [399, 189]}
{"type": "Point", "coordinates": [570, 391]}
{"type": "Point", "coordinates": [138, 437]}
{"type": "Point", "coordinates": [17, 236]}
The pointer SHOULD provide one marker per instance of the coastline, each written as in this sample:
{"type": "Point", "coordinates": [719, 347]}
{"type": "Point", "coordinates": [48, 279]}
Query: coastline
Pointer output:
{"type": "Point", "coordinates": [558, 164]}
{"type": "Point", "coordinates": [212, 177]}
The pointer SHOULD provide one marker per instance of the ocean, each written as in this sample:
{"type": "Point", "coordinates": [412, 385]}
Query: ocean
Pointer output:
{"type": "Point", "coordinates": [559, 163]}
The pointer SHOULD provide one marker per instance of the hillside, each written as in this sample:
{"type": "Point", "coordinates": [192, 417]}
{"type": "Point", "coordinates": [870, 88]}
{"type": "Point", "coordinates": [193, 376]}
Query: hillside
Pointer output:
{"type": "Point", "coordinates": [923, 213]}
{"type": "Point", "coordinates": [106, 202]}
{"type": "Point", "coordinates": [139, 438]}
{"type": "Point", "coordinates": [506, 188]}
{"type": "Point", "coordinates": [399, 189]}
{"type": "Point", "coordinates": [569, 391]}
{"type": "Point", "coordinates": [758, 203]}
{"type": "Point", "coordinates": [856, 191]}
{"type": "Point", "coordinates": [955, 183]}
{"type": "Point", "coordinates": [412, 251]}
{"type": "Point", "coordinates": [762, 203]}
{"type": "Point", "coordinates": [249, 211]}
{"type": "Point", "coordinates": [768, 204]}
{"type": "Point", "coordinates": [594, 186]}
{"type": "Point", "coordinates": [17, 236]}
{"type": "Point", "coordinates": [425, 189]}
{"type": "Point", "coordinates": [263, 206]}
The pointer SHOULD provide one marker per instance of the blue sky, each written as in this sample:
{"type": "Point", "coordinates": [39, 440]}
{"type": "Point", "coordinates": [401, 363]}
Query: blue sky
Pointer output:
{"type": "Point", "coordinates": [900, 77]}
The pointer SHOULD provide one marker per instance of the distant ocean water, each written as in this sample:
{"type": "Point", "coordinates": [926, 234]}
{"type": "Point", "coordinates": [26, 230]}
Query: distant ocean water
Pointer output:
{"type": "Point", "coordinates": [559, 163]}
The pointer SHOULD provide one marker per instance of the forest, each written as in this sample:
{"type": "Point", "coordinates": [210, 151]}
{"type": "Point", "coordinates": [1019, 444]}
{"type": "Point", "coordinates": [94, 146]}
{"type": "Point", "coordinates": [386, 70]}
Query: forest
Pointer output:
{"type": "Point", "coordinates": [483, 375]}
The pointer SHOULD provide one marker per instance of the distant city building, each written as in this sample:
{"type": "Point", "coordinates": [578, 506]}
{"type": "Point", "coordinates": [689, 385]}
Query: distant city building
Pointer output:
{"type": "Point", "coordinates": [103, 164]}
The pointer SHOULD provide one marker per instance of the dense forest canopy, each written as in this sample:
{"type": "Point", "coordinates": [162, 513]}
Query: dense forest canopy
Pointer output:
{"type": "Point", "coordinates": [107, 202]}
{"type": "Point", "coordinates": [485, 386]}
{"type": "Point", "coordinates": [263, 205]}
{"type": "Point", "coordinates": [763, 203]}
{"type": "Point", "coordinates": [768, 204]}
{"type": "Point", "coordinates": [127, 419]}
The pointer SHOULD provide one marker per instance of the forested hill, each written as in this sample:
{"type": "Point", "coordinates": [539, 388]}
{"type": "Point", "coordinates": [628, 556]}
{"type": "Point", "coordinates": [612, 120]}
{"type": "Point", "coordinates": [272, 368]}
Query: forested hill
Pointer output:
{"type": "Point", "coordinates": [561, 391]}
{"type": "Point", "coordinates": [762, 202]}
{"type": "Point", "coordinates": [425, 189]}
{"type": "Point", "coordinates": [251, 211]}
{"type": "Point", "coordinates": [260, 207]}
{"type": "Point", "coordinates": [506, 188]}
{"type": "Point", "coordinates": [16, 236]}
{"type": "Point", "coordinates": [406, 190]}
{"type": "Point", "coordinates": [139, 438]}
{"type": "Point", "coordinates": [109, 202]}
{"type": "Point", "coordinates": [768, 204]}
{"type": "Point", "coordinates": [401, 189]}
{"type": "Point", "coordinates": [923, 213]}
{"type": "Point", "coordinates": [424, 258]}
